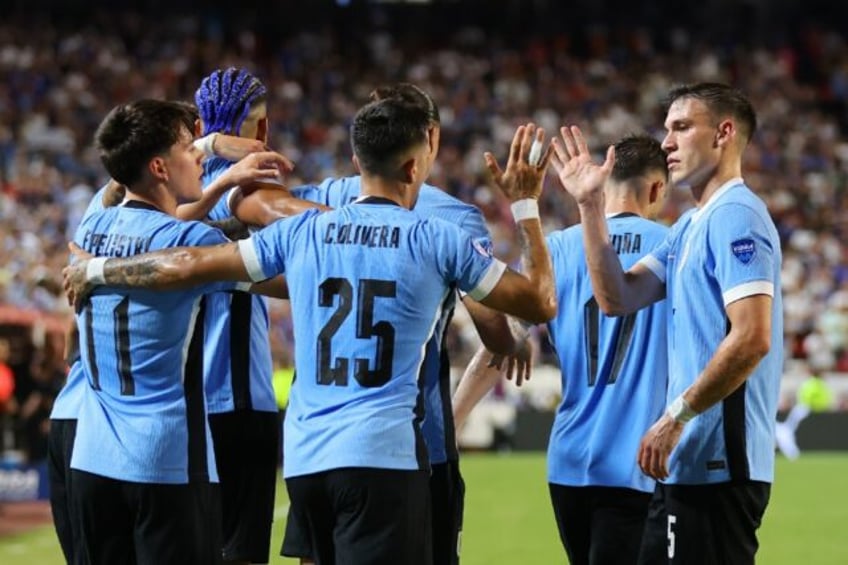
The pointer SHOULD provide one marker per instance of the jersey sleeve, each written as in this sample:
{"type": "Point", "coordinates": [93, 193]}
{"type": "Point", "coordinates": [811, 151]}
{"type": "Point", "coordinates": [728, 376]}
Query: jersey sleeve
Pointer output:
{"type": "Point", "coordinates": [463, 260]}
{"type": "Point", "coordinates": [743, 252]}
{"type": "Point", "coordinates": [310, 192]}
{"type": "Point", "coordinates": [657, 260]}
{"type": "Point", "coordinates": [266, 251]}
{"type": "Point", "coordinates": [474, 225]}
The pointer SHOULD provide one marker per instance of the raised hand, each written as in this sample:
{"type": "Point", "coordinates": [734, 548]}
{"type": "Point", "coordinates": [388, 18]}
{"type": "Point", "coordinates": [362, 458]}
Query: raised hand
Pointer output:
{"type": "Point", "coordinates": [572, 161]}
{"type": "Point", "coordinates": [235, 148]}
{"type": "Point", "coordinates": [521, 179]}
{"type": "Point", "coordinates": [257, 167]}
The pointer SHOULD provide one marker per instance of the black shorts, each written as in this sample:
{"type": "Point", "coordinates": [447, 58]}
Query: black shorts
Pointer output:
{"type": "Point", "coordinates": [246, 446]}
{"type": "Point", "coordinates": [365, 515]}
{"type": "Point", "coordinates": [704, 524]}
{"type": "Point", "coordinates": [600, 524]}
{"type": "Point", "coordinates": [60, 445]}
{"type": "Point", "coordinates": [146, 524]}
{"type": "Point", "coordinates": [447, 498]}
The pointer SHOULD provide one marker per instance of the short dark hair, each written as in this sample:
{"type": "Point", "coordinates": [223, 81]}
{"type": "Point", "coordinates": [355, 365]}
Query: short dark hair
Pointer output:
{"type": "Point", "coordinates": [132, 134]}
{"type": "Point", "coordinates": [409, 93]}
{"type": "Point", "coordinates": [637, 155]}
{"type": "Point", "coordinates": [383, 130]}
{"type": "Point", "coordinates": [721, 100]}
{"type": "Point", "coordinates": [225, 98]}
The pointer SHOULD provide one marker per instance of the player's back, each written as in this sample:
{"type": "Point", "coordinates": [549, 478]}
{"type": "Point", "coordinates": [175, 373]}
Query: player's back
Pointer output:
{"type": "Point", "coordinates": [614, 370]}
{"type": "Point", "coordinates": [366, 295]}
{"type": "Point", "coordinates": [237, 356]}
{"type": "Point", "coordinates": [143, 418]}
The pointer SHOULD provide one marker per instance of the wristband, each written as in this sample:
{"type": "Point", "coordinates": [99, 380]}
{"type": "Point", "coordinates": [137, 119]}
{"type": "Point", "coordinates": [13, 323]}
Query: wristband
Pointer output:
{"type": "Point", "coordinates": [94, 271]}
{"type": "Point", "coordinates": [525, 209]}
{"type": "Point", "coordinates": [205, 143]}
{"type": "Point", "coordinates": [680, 411]}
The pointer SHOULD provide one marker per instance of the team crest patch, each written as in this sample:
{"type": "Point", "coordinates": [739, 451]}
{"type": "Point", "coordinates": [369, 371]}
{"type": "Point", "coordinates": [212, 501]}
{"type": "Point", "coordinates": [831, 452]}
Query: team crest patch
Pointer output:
{"type": "Point", "coordinates": [482, 246]}
{"type": "Point", "coordinates": [744, 249]}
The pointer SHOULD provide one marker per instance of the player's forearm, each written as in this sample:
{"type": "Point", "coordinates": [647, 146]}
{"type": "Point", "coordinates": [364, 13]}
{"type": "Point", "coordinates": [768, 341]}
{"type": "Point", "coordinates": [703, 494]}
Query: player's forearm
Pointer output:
{"type": "Point", "coordinates": [264, 206]}
{"type": "Point", "coordinates": [608, 278]}
{"type": "Point", "coordinates": [276, 287]}
{"type": "Point", "coordinates": [176, 268]}
{"type": "Point", "coordinates": [733, 362]}
{"type": "Point", "coordinates": [210, 196]}
{"type": "Point", "coordinates": [479, 378]}
{"type": "Point", "coordinates": [537, 268]}
{"type": "Point", "coordinates": [499, 333]}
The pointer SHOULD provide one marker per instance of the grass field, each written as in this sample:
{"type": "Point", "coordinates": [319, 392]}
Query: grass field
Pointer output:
{"type": "Point", "coordinates": [508, 517]}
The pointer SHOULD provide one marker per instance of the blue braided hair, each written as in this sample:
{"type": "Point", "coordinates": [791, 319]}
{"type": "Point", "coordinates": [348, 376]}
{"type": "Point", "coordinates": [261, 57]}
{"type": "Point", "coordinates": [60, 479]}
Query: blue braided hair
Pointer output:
{"type": "Point", "coordinates": [225, 97]}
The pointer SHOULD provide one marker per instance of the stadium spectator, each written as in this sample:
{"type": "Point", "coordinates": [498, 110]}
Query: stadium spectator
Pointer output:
{"type": "Point", "coordinates": [719, 269]}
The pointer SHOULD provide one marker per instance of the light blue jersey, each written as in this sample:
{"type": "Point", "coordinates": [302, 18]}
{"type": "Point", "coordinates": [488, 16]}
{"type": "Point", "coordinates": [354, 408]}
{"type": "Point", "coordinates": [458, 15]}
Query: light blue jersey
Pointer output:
{"type": "Point", "coordinates": [367, 285]}
{"type": "Point", "coordinates": [723, 252]}
{"type": "Point", "coordinates": [614, 370]}
{"type": "Point", "coordinates": [68, 401]}
{"type": "Point", "coordinates": [237, 364]}
{"type": "Point", "coordinates": [143, 417]}
{"type": "Point", "coordinates": [437, 427]}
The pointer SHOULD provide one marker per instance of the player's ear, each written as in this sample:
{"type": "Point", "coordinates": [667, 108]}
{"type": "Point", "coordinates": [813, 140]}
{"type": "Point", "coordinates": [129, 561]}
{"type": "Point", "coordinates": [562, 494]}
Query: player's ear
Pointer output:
{"type": "Point", "coordinates": [356, 166]}
{"type": "Point", "coordinates": [262, 130]}
{"type": "Point", "coordinates": [725, 133]}
{"type": "Point", "coordinates": [198, 127]}
{"type": "Point", "coordinates": [655, 193]}
{"type": "Point", "coordinates": [158, 169]}
{"type": "Point", "coordinates": [409, 170]}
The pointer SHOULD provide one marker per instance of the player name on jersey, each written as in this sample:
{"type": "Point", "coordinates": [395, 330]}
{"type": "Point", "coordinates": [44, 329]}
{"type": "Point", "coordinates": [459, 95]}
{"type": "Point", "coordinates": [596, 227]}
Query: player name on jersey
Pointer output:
{"type": "Point", "coordinates": [357, 234]}
{"type": "Point", "coordinates": [626, 242]}
{"type": "Point", "coordinates": [115, 244]}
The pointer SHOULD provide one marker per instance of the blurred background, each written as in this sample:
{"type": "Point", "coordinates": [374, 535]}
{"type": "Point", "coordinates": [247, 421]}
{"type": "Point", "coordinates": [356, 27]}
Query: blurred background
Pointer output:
{"type": "Point", "coordinates": [490, 65]}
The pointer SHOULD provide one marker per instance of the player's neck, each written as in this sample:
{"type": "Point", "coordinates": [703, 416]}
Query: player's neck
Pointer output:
{"type": "Point", "coordinates": [616, 204]}
{"type": "Point", "coordinates": [403, 194]}
{"type": "Point", "coordinates": [724, 172]}
{"type": "Point", "coordinates": [156, 196]}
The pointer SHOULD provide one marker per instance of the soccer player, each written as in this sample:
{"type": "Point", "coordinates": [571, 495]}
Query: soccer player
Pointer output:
{"type": "Point", "coordinates": [142, 467]}
{"type": "Point", "coordinates": [446, 486]}
{"type": "Point", "coordinates": [367, 286]}
{"type": "Point", "coordinates": [254, 164]}
{"type": "Point", "coordinates": [237, 364]}
{"type": "Point", "coordinates": [614, 372]}
{"type": "Point", "coordinates": [719, 270]}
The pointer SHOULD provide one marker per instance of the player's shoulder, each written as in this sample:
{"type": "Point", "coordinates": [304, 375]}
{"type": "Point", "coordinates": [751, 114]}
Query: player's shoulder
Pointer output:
{"type": "Point", "coordinates": [434, 199]}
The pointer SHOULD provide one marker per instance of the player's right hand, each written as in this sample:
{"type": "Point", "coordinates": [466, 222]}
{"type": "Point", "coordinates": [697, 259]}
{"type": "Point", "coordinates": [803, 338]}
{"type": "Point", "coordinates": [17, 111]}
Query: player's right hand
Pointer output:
{"type": "Point", "coordinates": [77, 288]}
{"type": "Point", "coordinates": [257, 167]}
{"type": "Point", "coordinates": [521, 179]}
{"type": "Point", "coordinates": [579, 175]}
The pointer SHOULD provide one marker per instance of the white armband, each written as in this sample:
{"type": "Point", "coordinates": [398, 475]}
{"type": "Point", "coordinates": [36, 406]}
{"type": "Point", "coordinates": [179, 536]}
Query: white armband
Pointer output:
{"type": "Point", "coordinates": [94, 271]}
{"type": "Point", "coordinates": [680, 411]}
{"type": "Point", "coordinates": [206, 143]}
{"type": "Point", "coordinates": [525, 209]}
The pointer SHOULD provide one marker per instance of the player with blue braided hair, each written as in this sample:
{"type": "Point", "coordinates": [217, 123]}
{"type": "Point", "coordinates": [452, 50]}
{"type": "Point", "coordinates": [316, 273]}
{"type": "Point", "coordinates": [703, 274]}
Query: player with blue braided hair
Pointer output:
{"type": "Point", "coordinates": [231, 99]}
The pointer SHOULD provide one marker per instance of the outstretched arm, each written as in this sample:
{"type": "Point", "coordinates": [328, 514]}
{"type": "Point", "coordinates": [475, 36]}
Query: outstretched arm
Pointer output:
{"type": "Point", "coordinates": [484, 372]}
{"type": "Point", "coordinates": [265, 203]}
{"type": "Point", "coordinates": [617, 292]}
{"type": "Point", "coordinates": [528, 295]}
{"type": "Point", "coordinates": [255, 167]}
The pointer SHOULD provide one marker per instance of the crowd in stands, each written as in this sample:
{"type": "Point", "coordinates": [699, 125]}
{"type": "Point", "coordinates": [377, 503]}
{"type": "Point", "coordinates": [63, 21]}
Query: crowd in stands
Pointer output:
{"type": "Point", "coordinates": [57, 82]}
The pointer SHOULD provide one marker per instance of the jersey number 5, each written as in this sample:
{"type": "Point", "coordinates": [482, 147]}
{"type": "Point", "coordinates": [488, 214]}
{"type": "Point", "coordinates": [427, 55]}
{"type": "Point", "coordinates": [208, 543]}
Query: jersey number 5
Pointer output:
{"type": "Point", "coordinates": [331, 371]}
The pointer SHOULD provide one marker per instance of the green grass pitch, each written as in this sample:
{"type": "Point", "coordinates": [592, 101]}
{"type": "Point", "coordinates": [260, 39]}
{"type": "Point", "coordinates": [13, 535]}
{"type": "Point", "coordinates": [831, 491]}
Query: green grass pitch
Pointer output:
{"type": "Point", "coordinates": [508, 517]}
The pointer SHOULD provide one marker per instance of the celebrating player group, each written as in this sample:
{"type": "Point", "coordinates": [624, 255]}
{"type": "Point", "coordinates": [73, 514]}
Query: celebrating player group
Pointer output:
{"type": "Point", "coordinates": [165, 442]}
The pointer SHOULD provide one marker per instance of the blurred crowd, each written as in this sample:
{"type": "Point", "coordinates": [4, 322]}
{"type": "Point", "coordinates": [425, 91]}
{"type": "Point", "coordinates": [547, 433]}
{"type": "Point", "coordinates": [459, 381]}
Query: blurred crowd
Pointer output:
{"type": "Point", "coordinates": [57, 82]}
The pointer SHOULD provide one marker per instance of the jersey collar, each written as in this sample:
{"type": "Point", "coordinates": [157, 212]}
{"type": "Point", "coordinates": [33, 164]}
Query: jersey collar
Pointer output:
{"type": "Point", "coordinates": [375, 200]}
{"type": "Point", "coordinates": [735, 181]}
